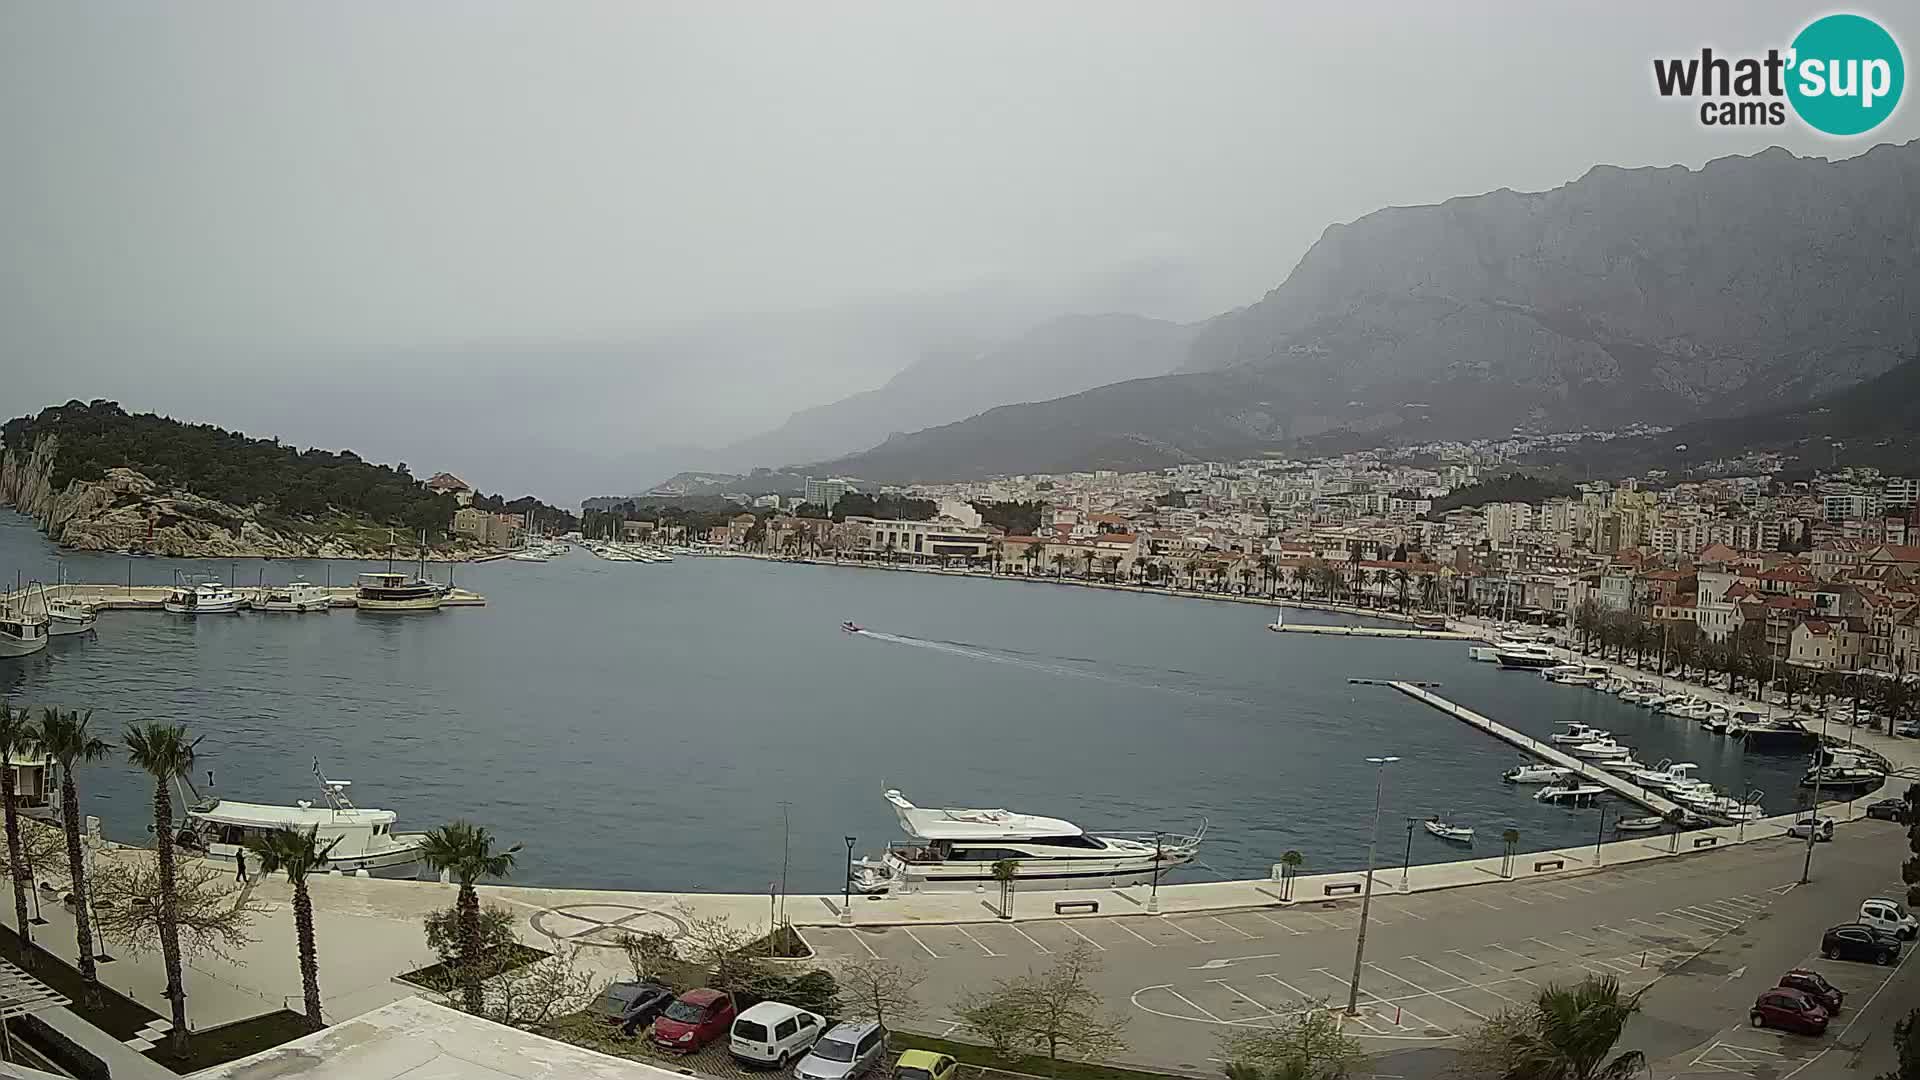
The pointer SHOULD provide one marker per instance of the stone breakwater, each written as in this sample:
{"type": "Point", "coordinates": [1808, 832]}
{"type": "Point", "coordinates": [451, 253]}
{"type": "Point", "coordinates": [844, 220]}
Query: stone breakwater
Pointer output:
{"type": "Point", "coordinates": [126, 508]}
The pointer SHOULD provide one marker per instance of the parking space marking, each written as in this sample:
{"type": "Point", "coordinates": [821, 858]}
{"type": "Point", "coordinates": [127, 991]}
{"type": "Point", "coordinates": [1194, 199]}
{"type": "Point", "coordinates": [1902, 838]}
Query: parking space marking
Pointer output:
{"type": "Point", "coordinates": [1716, 922]}
{"type": "Point", "coordinates": [1409, 913]}
{"type": "Point", "coordinates": [1581, 937]}
{"type": "Point", "coordinates": [1307, 1001]}
{"type": "Point", "coordinates": [1176, 925]}
{"type": "Point", "coordinates": [1400, 1010]}
{"type": "Point", "coordinates": [1464, 956]}
{"type": "Point", "coordinates": [1483, 903]}
{"type": "Point", "coordinates": [1321, 918]}
{"type": "Point", "coordinates": [1118, 925]}
{"type": "Point", "coordinates": [975, 940]}
{"type": "Point", "coordinates": [917, 941]}
{"type": "Point", "coordinates": [1430, 993]}
{"type": "Point", "coordinates": [862, 939]}
{"type": "Point", "coordinates": [1576, 956]}
{"type": "Point", "coordinates": [1189, 1003]}
{"type": "Point", "coordinates": [1269, 1010]}
{"type": "Point", "coordinates": [1578, 888]}
{"type": "Point", "coordinates": [1076, 933]}
{"type": "Point", "coordinates": [1466, 984]}
{"type": "Point", "coordinates": [1277, 922]}
{"type": "Point", "coordinates": [1235, 929]}
{"type": "Point", "coordinates": [1030, 939]}
{"type": "Point", "coordinates": [1516, 952]}
{"type": "Point", "coordinates": [1555, 895]}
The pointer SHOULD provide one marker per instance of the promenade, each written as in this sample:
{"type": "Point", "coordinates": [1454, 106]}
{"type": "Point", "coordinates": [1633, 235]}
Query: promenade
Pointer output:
{"type": "Point", "coordinates": [107, 597]}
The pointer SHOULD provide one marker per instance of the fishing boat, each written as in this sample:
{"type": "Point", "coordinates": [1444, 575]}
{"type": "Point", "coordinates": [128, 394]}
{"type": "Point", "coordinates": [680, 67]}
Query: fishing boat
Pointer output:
{"type": "Point", "coordinates": [361, 839]}
{"type": "Point", "coordinates": [962, 846]}
{"type": "Point", "coordinates": [1840, 769]}
{"type": "Point", "coordinates": [295, 596]}
{"type": "Point", "coordinates": [204, 597]}
{"type": "Point", "coordinates": [1440, 827]}
{"type": "Point", "coordinates": [397, 592]}
{"type": "Point", "coordinates": [1529, 772]}
{"type": "Point", "coordinates": [1570, 792]}
{"type": "Point", "coordinates": [70, 617]}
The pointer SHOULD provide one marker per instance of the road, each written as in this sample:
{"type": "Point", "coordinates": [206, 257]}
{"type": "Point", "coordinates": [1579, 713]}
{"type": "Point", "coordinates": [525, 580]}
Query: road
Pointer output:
{"type": "Point", "coordinates": [1705, 933]}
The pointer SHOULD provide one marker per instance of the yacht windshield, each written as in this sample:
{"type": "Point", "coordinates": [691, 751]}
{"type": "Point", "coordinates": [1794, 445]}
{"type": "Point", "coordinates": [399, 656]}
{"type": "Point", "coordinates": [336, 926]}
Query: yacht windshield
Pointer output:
{"type": "Point", "coordinates": [833, 1050]}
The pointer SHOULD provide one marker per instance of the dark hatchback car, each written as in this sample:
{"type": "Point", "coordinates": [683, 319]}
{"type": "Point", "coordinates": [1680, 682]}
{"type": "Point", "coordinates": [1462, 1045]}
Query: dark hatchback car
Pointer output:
{"type": "Point", "coordinates": [1815, 986]}
{"type": "Point", "coordinates": [632, 1005]}
{"type": "Point", "coordinates": [1856, 941]}
{"type": "Point", "coordinates": [1888, 810]}
{"type": "Point", "coordinates": [1788, 1010]}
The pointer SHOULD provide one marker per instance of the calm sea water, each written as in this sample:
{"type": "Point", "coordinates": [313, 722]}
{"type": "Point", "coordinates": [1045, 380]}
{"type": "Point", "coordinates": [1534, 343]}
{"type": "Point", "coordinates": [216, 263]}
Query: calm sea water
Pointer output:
{"type": "Point", "coordinates": [664, 726]}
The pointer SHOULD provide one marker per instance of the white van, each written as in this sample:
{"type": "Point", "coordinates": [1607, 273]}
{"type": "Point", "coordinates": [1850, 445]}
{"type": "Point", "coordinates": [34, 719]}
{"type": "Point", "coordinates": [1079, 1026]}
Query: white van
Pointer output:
{"type": "Point", "coordinates": [1889, 916]}
{"type": "Point", "coordinates": [773, 1033]}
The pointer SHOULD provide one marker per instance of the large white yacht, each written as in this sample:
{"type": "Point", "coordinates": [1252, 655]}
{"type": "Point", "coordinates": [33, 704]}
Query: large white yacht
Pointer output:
{"type": "Point", "coordinates": [1526, 656]}
{"type": "Point", "coordinates": [957, 846]}
{"type": "Point", "coordinates": [218, 828]}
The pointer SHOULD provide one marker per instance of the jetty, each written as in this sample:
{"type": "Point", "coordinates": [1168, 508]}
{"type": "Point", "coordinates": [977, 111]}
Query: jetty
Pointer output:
{"type": "Point", "coordinates": [1546, 752]}
{"type": "Point", "coordinates": [1368, 631]}
{"type": "Point", "coordinates": [149, 597]}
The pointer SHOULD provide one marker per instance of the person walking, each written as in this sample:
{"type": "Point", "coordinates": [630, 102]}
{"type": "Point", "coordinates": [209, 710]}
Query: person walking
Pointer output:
{"type": "Point", "coordinates": [240, 865]}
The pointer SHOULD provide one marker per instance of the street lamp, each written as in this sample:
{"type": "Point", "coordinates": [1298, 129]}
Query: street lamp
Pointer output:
{"type": "Point", "coordinates": [846, 889]}
{"type": "Point", "coordinates": [1407, 862]}
{"type": "Point", "coordinates": [1153, 890]}
{"type": "Point", "coordinates": [1813, 820]}
{"type": "Point", "coordinates": [1366, 896]}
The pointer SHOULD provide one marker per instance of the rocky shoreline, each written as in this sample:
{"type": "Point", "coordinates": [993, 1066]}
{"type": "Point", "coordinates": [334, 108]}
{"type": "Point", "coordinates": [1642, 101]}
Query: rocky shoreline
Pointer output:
{"type": "Point", "coordinates": [126, 509]}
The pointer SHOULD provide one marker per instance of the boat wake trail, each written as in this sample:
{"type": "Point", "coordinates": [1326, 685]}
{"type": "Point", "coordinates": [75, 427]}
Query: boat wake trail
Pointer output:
{"type": "Point", "coordinates": [992, 656]}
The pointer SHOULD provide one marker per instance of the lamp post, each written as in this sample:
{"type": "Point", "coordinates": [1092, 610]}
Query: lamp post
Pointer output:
{"type": "Point", "coordinates": [846, 890]}
{"type": "Point", "coordinates": [1407, 862]}
{"type": "Point", "coordinates": [1601, 836]}
{"type": "Point", "coordinates": [1813, 819]}
{"type": "Point", "coordinates": [1366, 896]}
{"type": "Point", "coordinates": [1153, 890]}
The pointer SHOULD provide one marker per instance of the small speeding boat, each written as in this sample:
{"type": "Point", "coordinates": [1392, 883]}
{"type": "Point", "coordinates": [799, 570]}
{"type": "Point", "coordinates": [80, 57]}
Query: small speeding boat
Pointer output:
{"type": "Point", "coordinates": [1459, 834]}
{"type": "Point", "coordinates": [853, 628]}
{"type": "Point", "coordinates": [1530, 773]}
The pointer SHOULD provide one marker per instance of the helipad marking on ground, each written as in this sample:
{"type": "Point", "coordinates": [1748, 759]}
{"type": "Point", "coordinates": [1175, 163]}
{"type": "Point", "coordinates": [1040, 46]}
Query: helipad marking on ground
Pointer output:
{"type": "Point", "coordinates": [975, 940]}
{"type": "Point", "coordinates": [1271, 1012]}
{"type": "Point", "coordinates": [917, 941]}
{"type": "Point", "coordinates": [1097, 946]}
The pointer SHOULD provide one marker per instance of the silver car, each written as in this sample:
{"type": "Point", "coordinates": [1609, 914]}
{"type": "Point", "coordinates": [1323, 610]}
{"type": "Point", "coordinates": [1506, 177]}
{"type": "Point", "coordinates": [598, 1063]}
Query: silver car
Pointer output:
{"type": "Point", "coordinates": [847, 1051]}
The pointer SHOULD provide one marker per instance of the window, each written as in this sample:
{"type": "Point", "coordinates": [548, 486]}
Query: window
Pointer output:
{"type": "Point", "coordinates": [872, 1039]}
{"type": "Point", "coordinates": [748, 1030]}
{"type": "Point", "coordinates": [785, 1028]}
{"type": "Point", "coordinates": [1070, 841]}
{"type": "Point", "coordinates": [806, 1019]}
{"type": "Point", "coordinates": [835, 1050]}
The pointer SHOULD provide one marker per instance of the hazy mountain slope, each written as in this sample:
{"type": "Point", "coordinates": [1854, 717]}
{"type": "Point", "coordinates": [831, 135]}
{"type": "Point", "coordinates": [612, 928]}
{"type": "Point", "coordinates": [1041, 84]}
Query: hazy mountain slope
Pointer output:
{"type": "Point", "coordinates": [1645, 294]}
{"type": "Point", "coordinates": [1061, 356]}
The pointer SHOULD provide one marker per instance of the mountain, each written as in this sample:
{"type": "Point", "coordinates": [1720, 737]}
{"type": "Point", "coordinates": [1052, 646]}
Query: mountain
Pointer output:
{"type": "Point", "coordinates": [1061, 356]}
{"type": "Point", "coordinates": [1657, 294]}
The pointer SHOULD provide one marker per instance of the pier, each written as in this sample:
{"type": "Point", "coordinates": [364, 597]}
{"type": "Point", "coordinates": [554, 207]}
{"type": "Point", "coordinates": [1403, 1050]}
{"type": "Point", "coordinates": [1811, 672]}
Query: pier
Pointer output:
{"type": "Point", "coordinates": [149, 597]}
{"type": "Point", "coordinates": [1544, 751]}
{"type": "Point", "coordinates": [1368, 631]}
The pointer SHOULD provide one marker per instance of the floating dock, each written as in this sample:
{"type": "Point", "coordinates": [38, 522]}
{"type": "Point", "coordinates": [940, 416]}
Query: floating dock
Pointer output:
{"type": "Point", "coordinates": [1546, 752]}
{"type": "Point", "coordinates": [1368, 631]}
{"type": "Point", "coordinates": [149, 597]}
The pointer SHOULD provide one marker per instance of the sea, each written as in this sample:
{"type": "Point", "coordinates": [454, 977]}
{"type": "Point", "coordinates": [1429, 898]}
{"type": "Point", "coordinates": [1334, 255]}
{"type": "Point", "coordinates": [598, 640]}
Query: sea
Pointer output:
{"type": "Point", "coordinates": [705, 724]}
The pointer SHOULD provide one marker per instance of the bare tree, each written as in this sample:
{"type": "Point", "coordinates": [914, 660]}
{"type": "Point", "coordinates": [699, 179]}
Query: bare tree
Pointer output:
{"type": "Point", "coordinates": [529, 996]}
{"type": "Point", "coordinates": [43, 849]}
{"type": "Point", "coordinates": [1048, 1012]}
{"type": "Point", "coordinates": [879, 989]}
{"type": "Point", "coordinates": [1307, 1044]}
{"type": "Point", "coordinates": [213, 921]}
{"type": "Point", "coordinates": [652, 954]}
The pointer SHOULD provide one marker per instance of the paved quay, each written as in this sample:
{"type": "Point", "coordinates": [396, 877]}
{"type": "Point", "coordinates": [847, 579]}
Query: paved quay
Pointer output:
{"type": "Point", "coordinates": [150, 597]}
{"type": "Point", "coordinates": [1369, 631]}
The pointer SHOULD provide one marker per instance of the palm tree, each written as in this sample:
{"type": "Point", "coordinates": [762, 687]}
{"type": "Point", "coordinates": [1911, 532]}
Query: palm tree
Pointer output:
{"type": "Point", "coordinates": [164, 752]}
{"type": "Point", "coordinates": [65, 738]}
{"type": "Point", "coordinates": [1086, 564]}
{"type": "Point", "coordinates": [1401, 578]}
{"type": "Point", "coordinates": [1059, 563]}
{"type": "Point", "coordinates": [1113, 566]}
{"type": "Point", "coordinates": [298, 854]}
{"type": "Point", "coordinates": [1381, 579]}
{"type": "Point", "coordinates": [1005, 871]}
{"type": "Point", "coordinates": [1290, 866]}
{"type": "Point", "coordinates": [18, 738]}
{"type": "Point", "coordinates": [1426, 591]}
{"type": "Point", "coordinates": [1574, 1030]}
{"type": "Point", "coordinates": [465, 850]}
{"type": "Point", "coordinates": [1266, 573]}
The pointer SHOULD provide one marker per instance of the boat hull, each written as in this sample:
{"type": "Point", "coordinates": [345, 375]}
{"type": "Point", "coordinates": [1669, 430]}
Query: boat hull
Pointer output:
{"type": "Point", "coordinates": [62, 625]}
{"type": "Point", "coordinates": [893, 872]}
{"type": "Point", "coordinates": [15, 646]}
{"type": "Point", "coordinates": [417, 603]}
{"type": "Point", "coordinates": [218, 607]}
{"type": "Point", "coordinates": [401, 857]}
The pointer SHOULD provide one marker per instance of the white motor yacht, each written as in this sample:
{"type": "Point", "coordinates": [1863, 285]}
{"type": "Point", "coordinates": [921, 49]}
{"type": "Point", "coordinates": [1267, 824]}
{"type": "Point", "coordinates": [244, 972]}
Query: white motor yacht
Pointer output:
{"type": "Point", "coordinates": [1529, 772]}
{"type": "Point", "coordinates": [1562, 673]}
{"type": "Point", "coordinates": [1602, 749]}
{"type": "Point", "coordinates": [961, 846]}
{"type": "Point", "coordinates": [21, 633]}
{"type": "Point", "coordinates": [203, 598]}
{"type": "Point", "coordinates": [1569, 792]}
{"type": "Point", "coordinates": [219, 828]}
{"type": "Point", "coordinates": [295, 596]}
{"type": "Point", "coordinates": [1676, 776]}
{"type": "Point", "coordinates": [1688, 709]}
{"type": "Point", "coordinates": [1576, 734]}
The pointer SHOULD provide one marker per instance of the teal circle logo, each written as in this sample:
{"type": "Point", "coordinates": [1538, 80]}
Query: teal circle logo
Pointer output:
{"type": "Point", "coordinates": [1847, 75]}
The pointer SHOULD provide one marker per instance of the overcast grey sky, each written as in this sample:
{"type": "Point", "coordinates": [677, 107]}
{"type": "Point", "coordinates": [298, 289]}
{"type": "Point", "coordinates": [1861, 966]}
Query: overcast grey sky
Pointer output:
{"type": "Point", "coordinates": [536, 242]}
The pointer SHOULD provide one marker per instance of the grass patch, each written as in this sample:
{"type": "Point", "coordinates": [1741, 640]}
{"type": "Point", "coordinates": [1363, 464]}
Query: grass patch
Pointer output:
{"type": "Point", "coordinates": [117, 1014]}
{"type": "Point", "coordinates": [230, 1042]}
{"type": "Point", "coordinates": [441, 977]}
{"type": "Point", "coordinates": [985, 1057]}
{"type": "Point", "coordinates": [784, 943]}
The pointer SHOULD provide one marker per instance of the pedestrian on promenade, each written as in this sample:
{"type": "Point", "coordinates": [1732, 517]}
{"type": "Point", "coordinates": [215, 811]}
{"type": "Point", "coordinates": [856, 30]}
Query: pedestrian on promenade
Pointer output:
{"type": "Point", "coordinates": [240, 865]}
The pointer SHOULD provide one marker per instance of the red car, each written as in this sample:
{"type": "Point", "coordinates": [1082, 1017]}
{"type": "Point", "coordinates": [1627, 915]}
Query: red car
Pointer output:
{"type": "Point", "coordinates": [695, 1019]}
{"type": "Point", "coordinates": [1789, 1010]}
{"type": "Point", "coordinates": [1815, 986]}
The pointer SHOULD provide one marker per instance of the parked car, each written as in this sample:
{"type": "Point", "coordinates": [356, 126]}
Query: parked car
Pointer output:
{"type": "Point", "coordinates": [1821, 828]}
{"type": "Point", "coordinates": [1789, 1010]}
{"type": "Point", "coordinates": [844, 1053]}
{"type": "Point", "coordinates": [774, 1033]}
{"type": "Point", "coordinates": [1888, 810]}
{"type": "Point", "coordinates": [1909, 728]}
{"type": "Point", "coordinates": [632, 1005]}
{"type": "Point", "coordinates": [1814, 985]}
{"type": "Point", "coordinates": [1856, 941]}
{"type": "Point", "coordinates": [695, 1019]}
{"type": "Point", "coordinates": [925, 1065]}
{"type": "Point", "coordinates": [1889, 917]}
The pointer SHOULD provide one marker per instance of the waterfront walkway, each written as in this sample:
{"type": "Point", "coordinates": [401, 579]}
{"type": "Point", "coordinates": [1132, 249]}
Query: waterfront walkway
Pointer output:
{"type": "Point", "coordinates": [149, 597]}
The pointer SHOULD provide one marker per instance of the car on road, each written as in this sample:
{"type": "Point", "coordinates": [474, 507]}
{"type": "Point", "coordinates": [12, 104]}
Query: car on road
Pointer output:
{"type": "Point", "coordinates": [1814, 985]}
{"type": "Point", "coordinates": [632, 1005]}
{"type": "Point", "coordinates": [695, 1019]}
{"type": "Point", "coordinates": [1889, 917]}
{"type": "Point", "coordinates": [1857, 941]}
{"type": "Point", "coordinates": [1788, 1010]}
{"type": "Point", "coordinates": [844, 1053]}
{"type": "Point", "coordinates": [774, 1033]}
{"type": "Point", "coordinates": [1821, 828]}
{"type": "Point", "coordinates": [925, 1065]}
{"type": "Point", "coordinates": [1888, 810]}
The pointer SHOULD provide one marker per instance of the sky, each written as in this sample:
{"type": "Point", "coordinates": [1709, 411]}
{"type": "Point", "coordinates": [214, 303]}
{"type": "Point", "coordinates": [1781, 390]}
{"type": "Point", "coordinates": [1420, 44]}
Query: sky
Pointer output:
{"type": "Point", "coordinates": [567, 248]}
